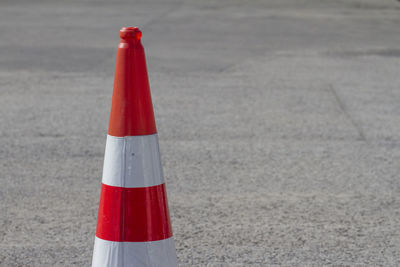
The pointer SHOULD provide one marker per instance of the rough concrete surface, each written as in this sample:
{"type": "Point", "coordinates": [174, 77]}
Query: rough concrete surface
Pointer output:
{"type": "Point", "coordinates": [279, 127]}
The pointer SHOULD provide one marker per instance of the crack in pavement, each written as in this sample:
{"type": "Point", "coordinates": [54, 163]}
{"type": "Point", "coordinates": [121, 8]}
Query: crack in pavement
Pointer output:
{"type": "Point", "coordinates": [344, 109]}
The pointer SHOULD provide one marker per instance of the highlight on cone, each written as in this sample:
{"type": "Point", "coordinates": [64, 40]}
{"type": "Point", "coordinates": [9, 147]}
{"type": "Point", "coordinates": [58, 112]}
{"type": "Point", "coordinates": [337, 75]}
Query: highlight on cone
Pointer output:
{"type": "Point", "coordinates": [133, 227]}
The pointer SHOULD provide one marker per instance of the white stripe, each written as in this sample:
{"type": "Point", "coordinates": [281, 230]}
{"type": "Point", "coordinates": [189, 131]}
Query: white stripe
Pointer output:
{"type": "Point", "coordinates": [126, 254]}
{"type": "Point", "coordinates": [132, 161]}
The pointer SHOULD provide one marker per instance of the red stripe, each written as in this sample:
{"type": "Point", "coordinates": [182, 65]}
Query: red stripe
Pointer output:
{"type": "Point", "coordinates": [131, 108]}
{"type": "Point", "coordinates": [133, 214]}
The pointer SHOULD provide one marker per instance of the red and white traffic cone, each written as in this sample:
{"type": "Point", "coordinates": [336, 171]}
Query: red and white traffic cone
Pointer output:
{"type": "Point", "coordinates": [133, 227]}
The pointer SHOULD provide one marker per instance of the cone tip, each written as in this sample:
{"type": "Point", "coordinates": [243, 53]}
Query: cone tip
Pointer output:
{"type": "Point", "coordinates": [130, 33]}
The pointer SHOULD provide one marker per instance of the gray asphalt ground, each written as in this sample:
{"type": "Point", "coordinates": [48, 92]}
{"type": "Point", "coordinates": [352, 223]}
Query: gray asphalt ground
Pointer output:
{"type": "Point", "coordinates": [279, 127]}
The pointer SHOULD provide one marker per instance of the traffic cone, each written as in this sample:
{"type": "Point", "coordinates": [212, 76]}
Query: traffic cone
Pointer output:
{"type": "Point", "coordinates": [133, 227]}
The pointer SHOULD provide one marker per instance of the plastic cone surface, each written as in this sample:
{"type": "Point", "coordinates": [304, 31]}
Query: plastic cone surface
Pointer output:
{"type": "Point", "coordinates": [133, 227]}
